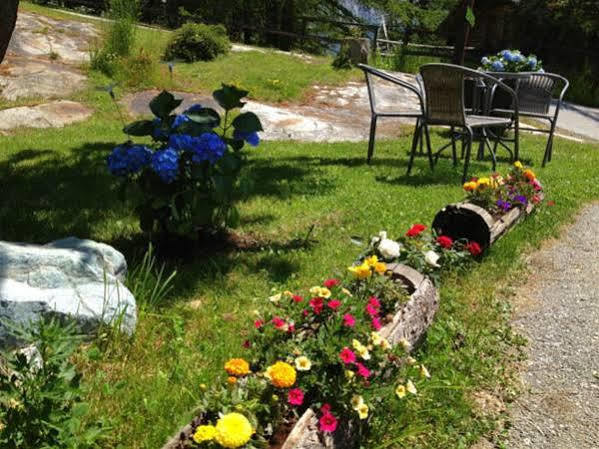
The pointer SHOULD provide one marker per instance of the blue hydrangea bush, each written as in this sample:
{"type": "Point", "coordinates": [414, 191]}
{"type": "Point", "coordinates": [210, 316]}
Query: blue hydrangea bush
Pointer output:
{"type": "Point", "coordinates": [511, 61]}
{"type": "Point", "coordinates": [187, 179]}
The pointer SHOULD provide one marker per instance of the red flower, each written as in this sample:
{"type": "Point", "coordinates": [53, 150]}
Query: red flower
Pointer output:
{"type": "Point", "coordinates": [247, 344]}
{"type": "Point", "coordinates": [536, 199]}
{"type": "Point", "coordinates": [297, 298]}
{"type": "Point", "coordinates": [278, 322]}
{"type": "Point", "coordinates": [363, 371]}
{"type": "Point", "coordinates": [295, 396]}
{"type": "Point", "coordinates": [444, 241]}
{"type": "Point", "coordinates": [371, 310]}
{"type": "Point", "coordinates": [376, 324]}
{"type": "Point", "coordinates": [326, 408]}
{"type": "Point", "coordinates": [415, 230]}
{"type": "Point", "coordinates": [374, 301]}
{"type": "Point", "coordinates": [334, 304]}
{"type": "Point", "coordinates": [328, 423]}
{"type": "Point", "coordinates": [550, 203]}
{"type": "Point", "coordinates": [329, 283]}
{"type": "Point", "coordinates": [349, 320]}
{"type": "Point", "coordinates": [305, 312]}
{"type": "Point", "coordinates": [347, 355]}
{"type": "Point", "coordinates": [474, 248]}
{"type": "Point", "coordinates": [317, 304]}
{"type": "Point", "coordinates": [258, 324]}
{"type": "Point", "coordinates": [291, 328]}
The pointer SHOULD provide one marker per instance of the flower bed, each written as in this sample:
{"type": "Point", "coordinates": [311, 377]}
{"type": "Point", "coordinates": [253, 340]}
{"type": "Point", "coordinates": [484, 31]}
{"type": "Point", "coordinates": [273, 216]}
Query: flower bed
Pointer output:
{"type": "Point", "coordinates": [316, 363]}
{"type": "Point", "coordinates": [492, 207]}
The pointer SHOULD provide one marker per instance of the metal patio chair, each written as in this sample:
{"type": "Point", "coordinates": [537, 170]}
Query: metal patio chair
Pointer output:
{"type": "Point", "coordinates": [535, 94]}
{"type": "Point", "coordinates": [371, 74]}
{"type": "Point", "coordinates": [444, 86]}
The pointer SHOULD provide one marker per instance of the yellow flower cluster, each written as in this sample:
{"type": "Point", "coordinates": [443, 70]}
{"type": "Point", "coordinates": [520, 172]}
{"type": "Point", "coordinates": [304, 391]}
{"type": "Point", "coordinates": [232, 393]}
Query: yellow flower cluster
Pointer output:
{"type": "Point", "coordinates": [365, 269]}
{"type": "Point", "coordinates": [358, 404]}
{"type": "Point", "coordinates": [204, 433]}
{"type": "Point", "coordinates": [409, 387]}
{"type": "Point", "coordinates": [321, 292]}
{"type": "Point", "coordinates": [237, 367]}
{"type": "Point", "coordinates": [361, 350]}
{"type": "Point", "coordinates": [479, 184]}
{"type": "Point", "coordinates": [281, 374]}
{"type": "Point", "coordinates": [231, 431]}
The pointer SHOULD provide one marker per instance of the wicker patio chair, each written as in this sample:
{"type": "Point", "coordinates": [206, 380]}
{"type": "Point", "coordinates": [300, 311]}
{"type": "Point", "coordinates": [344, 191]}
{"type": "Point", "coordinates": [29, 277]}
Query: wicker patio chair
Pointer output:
{"type": "Point", "coordinates": [535, 94]}
{"type": "Point", "coordinates": [444, 86]}
{"type": "Point", "coordinates": [371, 74]}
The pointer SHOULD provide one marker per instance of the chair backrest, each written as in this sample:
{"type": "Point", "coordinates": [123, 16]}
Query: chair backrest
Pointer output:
{"type": "Point", "coordinates": [444, 94]}
{"type": "Point", "coordinates": [535, 93]}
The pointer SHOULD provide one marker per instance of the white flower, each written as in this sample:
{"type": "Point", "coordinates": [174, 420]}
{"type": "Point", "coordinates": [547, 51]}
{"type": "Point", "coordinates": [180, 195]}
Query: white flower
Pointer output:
{"type": "Point", "coordinates": [275, 298]}
{"type": "Point", "coordinates": [383, 235]}
{"type": "Point", "coordinates": [356, 402]}
{"type": "Point", "coordinates": [405, 344]}
{"type": "Point", "coordinates": [303, 363]}
{"type": "Point", "coordinates": [411, 387]}
{"type": "Point", "coordinates": [389, 249]}
{"type": "Point", "coordinates": [431, 258]}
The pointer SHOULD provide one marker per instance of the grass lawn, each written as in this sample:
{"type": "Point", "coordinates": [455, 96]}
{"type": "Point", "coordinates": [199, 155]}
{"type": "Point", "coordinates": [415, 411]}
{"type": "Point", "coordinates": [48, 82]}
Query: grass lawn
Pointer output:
{"type": "Point", "coordinates": [55, 184]}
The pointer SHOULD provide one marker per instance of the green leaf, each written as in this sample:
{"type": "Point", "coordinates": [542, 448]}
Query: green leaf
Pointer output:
{"type": "Point", "coordinates": [140, 128]}
{"type": "Point", "coordinates": [163, 104]}
{"type": "Point", "coordinates": [470, 17]}
{"type": "Point", "coordinates": [206, 117]}
{"type": "Point", "coordinates": [229, 163]}
{"type": "Point", "coordinates": [233, 218]}
{"type": "Point", "coordinates": [248, 122]}
{"type": "Point", "coordinates": [229, 97]}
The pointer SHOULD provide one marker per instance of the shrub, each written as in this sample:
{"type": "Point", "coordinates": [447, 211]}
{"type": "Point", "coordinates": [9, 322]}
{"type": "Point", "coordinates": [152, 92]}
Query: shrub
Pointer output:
{"type": "Point", "coordinates": [188, 180]}
{"type": "Point", "coordinates": [40, 394]}
{"type": "Point", "coordinates": [198, 42]}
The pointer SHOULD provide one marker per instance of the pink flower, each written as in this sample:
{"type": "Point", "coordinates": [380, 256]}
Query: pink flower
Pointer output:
{"type": "Point", "coordinates": [376, 324]}
{"type": "Point", "coordinates": [334, 304]}
{"type": "Point", "coordinates": [363, 371]}
{"type": "Point", "coordinates": [374, 301]}
{"type": "Point", "coordinates": [278, 322]}
{"type": "Point", "coordinates": [347, 355]}
{"type": "Point", "coordinates": [445, 241]}
{"type": "Point", "coordinates": [474, 248]}
{"type": "Point", "coordinates": [371, 310]}
{"type": "Point", "coordinates": [349, 320]}
{"type": "Point", "coordinates": [247, 344]}
{"type": "Point", "coordinates": [326, 408]}
{"type": "Point", "coordinates": [305, 312]}
{"type": "Point", "coordinates": [291, 328]}
{"type": "Point", "coordinates": [329, 283]}
{"type": "Point", "coordinates": [317, 305]}
{"type": "Point", "coordinates": [295, 396]}
{"type": "Point", "coordinates": [328, 423]}
{"type": "Point", "coordinates": [258, 324]}
{"type": "Point", "coordinates": [297, 298]}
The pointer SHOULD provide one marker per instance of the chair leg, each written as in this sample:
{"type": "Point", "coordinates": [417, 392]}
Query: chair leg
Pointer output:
{"type": "Point", "coordinates": [428, 148]}
{"type": "Point", "coordinates": [417, 137]}
{"type": "Point", "coordinates": [549, 147]}
{"type": "Point", "coordinates": [373, 121]}
{"type": "Point", "coordinates": [467, 157]}
{"type": "Point", "coordinates": [421, 136]}
{"type": "Point", "coordinates": [453, 147]}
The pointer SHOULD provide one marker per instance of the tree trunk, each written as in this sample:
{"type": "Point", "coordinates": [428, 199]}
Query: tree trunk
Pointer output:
{"type": "Point", "coordinates": [463, 33]}
{"type": "Point", "coordinates": [8, 19]}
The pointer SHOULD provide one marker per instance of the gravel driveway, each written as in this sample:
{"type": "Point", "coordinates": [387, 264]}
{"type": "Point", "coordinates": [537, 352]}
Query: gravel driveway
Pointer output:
{"type": "Point", "coordinates": [558, 310]}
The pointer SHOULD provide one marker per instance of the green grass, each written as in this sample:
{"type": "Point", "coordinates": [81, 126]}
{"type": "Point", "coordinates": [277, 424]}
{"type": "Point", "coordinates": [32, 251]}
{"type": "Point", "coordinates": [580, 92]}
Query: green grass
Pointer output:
{"type": "Point", "coordinates": [55, 184]}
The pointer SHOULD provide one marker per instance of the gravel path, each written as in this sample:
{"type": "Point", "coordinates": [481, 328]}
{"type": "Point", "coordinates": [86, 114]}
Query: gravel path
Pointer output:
{"type": "Point", "coordinates": [558, 310]}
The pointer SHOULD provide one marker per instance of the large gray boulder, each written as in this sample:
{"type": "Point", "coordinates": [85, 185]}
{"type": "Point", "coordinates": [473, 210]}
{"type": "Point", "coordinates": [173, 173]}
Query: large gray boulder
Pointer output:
{"type": "Point", "coordinates": [81, 279]}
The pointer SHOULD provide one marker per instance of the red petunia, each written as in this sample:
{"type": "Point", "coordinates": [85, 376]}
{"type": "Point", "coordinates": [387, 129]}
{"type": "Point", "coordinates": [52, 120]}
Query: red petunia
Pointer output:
{"type": "Point", "coordinates": [347, 355]}
{"type": "Point", "coordinates": [474, 248]}
{"type": "Point", "coordinates": [372, 310]}
{"type": "Point", "coordinates": [328, 423]}
{"type": "Point", "coordinates": [376, 324]}
{"type": "Point", "coordinates": [334, 304]}
{"type": "Point", "coordinates": [363, 371]}
{"type": "Point", "coordinates": [374, 301]}
{"type": "Point", "coordinates": [415, 230]}
{"type": "Point", "coordinates": [278, 322]}
{"type": "Point", "coordinates": [349, 320]}
{"type": "Point", "coordinates": [258, 324]}
{"type": "Point", "coordinates": [295, 396]}
{"type": "Point", "coordinates": [297, 298]}
{"type": "Point", "coordinates": [317, 305]}
{"type": "Point", "coordinates": [326, 408]}
{"type": "Point", "coordinates": [330, 283]}
{"type": "Point", "coordinates": [444, 241]}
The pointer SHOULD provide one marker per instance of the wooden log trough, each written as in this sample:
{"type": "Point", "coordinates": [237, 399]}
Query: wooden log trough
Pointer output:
{"type": "Point", "coordinates": [468, 221]}
{"type": "Point", "coordinates": [411, 322]}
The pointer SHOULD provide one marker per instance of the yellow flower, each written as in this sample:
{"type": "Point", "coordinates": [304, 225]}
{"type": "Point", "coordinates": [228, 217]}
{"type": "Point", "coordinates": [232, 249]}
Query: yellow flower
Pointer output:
{"type": "Point", "coordinates": [288, 293]}
{"type": "Point", "coordinates": [380, 267]}
{"type": "Point", "coordinates": [376, 338]}
{"type": "Point", "coordinates": [400, 391]}
{"type": "Point", "coordinates": [233, 430]}
{"type": "Point", "coordinates": [518, 165]}
{"type": "Point", "coordinates": [237, 367]}
{"type": "Point", "coordinates": [281, 375]}
{"type": "Point", "coordinates": [483, 183]}
{"type": "Point", "coordinates": [411, 387]}
{"type": "Point", "coordinates": [349, 374]}
{"type": "Point", "coordinates": [529, 174]}
{"type": "Point", "coordinates": [321, 292]}
{"type": "Point", "coordinates": [203, 387]}
{"type": "Point", "coordinates": [385, 344]}
{"type": "Point", "coordinates": [470, 186]}
{"type": "Point", "coordinates": [204, 433]}
{"type": "Point", "coordinates": [363, 411]}
{"type": "Point", "coordinates": [411, 361]}
{"type": "Point", "coordinates": [303, 363]}
{"type": "Point", "coordinates": [357, 345]}
{"type": "Point", "coordinates": [363, 352]}
{"type": "Point", "coordinates": [371, 261]}
{"type": "Point", "coordinates": [361, 271]}
{"type": "Point", "coordinates": [356, 402]}
{"type": "Point", "coordinates": [424, 372]}
{"type": "Point", "coordinates": [346, 292]}
{"type": "Point", "coordinates": [405, 344]}
{"type": "Point", "coordinates": [231, 380]}
{"type": "Point", "coordinates": [275, 298]}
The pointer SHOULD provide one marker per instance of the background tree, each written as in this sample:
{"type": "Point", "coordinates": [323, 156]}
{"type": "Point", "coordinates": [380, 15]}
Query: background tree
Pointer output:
{"type": "Point", "coordinates": [8, 19]}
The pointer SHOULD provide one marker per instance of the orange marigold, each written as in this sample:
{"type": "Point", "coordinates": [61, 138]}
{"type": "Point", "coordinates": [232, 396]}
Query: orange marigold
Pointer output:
{"type": "Point", "coordinates": [529, 174]}
{"type": "Point", "coordinates": [232, 380]}
{"type": "Point", "coordinates": [281, 374]}
{"type": "Point", "coordinates": [237, 367]}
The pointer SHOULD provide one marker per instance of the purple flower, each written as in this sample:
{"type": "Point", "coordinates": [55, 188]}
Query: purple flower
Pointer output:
{"type": "Point", "coordinates": [504, 205]}
{"type": "Point", "coordinates": [521, 199]}
{"type": "Point", "coordinates": [125, 160]}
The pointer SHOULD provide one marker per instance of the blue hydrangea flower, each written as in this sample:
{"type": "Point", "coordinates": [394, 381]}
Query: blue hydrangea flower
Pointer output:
{"type": "Point", "coordinates": [497, 66]}
{"type": "Point", "coordinates": [194, 109]}
{"type": "Point", "coordinates": [485, 60]}
{"type": "Point", "coordinates": [166, 164]}
{"type": "Point", "coordinates": [179, 120]}
{"type": "Point", "coordinates": [504, 54]}
{"type": "Point", "coordinates": [532, 62]}
{"type": "Point", "coordinates": [208, 147]}
{"type": "Point", "coordinates": [125, 160]}
{"type": "Point", "coordinates": [252, 138]}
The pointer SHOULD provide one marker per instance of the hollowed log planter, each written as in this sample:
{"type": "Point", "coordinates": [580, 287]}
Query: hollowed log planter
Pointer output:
{"type": "Point", "coordinates": [411, 322]}
{"type": "Point", "coordinates": [469, 221]}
